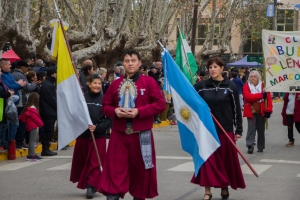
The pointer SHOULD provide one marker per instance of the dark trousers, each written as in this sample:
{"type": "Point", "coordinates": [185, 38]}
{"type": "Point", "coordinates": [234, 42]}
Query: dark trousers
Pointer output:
{"type": "Point", "coordinates": [290, 121]}
{"type": "Point", "coordinates": [48, 130]}
{"type": "Point", "coordinates": [20, 135]}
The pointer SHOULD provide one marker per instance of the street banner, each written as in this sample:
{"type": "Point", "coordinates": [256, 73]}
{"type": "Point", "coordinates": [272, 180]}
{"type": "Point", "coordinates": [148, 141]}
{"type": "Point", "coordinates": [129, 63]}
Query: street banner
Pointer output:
{"type": "Point", "coordinates": [185, 59]}
{"type": "Point", "coordinates": [197, 130]}
{"type": "Point", "coordinates": [282, 60]}
{"type": "Point", "coordinates": [270, 10]}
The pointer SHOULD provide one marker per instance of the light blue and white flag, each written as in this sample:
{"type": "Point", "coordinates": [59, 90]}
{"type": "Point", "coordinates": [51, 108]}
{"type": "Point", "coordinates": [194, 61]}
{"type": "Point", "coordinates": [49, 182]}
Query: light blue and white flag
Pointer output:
{"type": "Point", "coordinates": [270, 10]}
{"type": "Point", "coordinates": [196, 127]}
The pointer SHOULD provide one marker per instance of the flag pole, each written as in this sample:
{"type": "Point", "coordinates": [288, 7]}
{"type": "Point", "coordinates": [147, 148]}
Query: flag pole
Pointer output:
{"type": "Point", "coordinates": [97, 152]}
{"type": "Point", "coordinates": [187, 61]}
{"type": "Point", "coordinates": [234, 145]}
{"type": "Point", "coordinates": [69, 49]}
{"type": "Point", "coordinates": [266, 100]}
{"type": "Point", "coordinates": [65, 36]}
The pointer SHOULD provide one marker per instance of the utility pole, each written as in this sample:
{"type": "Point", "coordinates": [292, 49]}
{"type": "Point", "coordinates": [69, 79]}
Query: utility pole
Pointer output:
{"type": "Point", "coordinates": [276, 3]}
{"type": "Point", "coordinates": [193, 39]}
{"type": "Point", "coordinates": [275, 16]}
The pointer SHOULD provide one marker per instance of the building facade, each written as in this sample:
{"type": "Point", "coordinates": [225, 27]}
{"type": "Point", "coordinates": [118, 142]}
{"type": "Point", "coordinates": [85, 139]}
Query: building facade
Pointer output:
{"type": "Point", "coordinates": [287, 19]}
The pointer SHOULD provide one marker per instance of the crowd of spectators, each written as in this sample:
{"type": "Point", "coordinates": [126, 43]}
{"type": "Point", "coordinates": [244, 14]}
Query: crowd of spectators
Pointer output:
{"type": "Point", "coordinates": [19, 79]}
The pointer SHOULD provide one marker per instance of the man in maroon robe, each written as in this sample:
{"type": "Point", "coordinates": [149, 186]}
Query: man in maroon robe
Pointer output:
{"type": "Point", "coordinates": [130, 163]}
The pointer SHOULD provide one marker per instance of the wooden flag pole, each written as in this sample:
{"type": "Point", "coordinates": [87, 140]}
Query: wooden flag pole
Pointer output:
{"type": "Point", "coordinates": [234, 145]}
{"type": "Point", "coordinates": [69, 49]}
{"type": "Point", "coordinates": [97, 152]}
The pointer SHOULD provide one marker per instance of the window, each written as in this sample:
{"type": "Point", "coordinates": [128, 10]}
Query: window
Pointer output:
{"type": "Point", "coordinates": [253, 46]}
{"type": "Point", "coordinates": [287, 20]}
{"type": "Point", "coordinates": [203, 29]}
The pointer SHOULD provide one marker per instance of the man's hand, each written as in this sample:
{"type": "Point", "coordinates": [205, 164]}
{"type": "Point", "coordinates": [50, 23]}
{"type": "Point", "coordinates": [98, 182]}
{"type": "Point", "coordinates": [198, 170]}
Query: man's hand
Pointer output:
{"type": "Point", "coordinates": [38, 82]}
{"type": "Point", "coordinates": [12, 92]}
{"type": "Point", "coordinates": [92, 128]}
{"type": "Point", "coordinates": [237, 136]}
{"type": "Point", "coordinates": [22, 82]}
{"type": "Point", "coordinates": [133, 112]}
{"type": "Point", "coordinates": [122, 113]}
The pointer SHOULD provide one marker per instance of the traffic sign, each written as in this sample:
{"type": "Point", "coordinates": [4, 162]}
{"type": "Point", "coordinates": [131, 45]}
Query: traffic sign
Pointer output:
{"type": "Point", "coordinates": [255, 59]}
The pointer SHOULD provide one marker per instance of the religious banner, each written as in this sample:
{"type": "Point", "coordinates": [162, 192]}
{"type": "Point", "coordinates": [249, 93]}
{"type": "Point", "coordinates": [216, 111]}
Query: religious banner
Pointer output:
{"type": "Point", "coordinates": [282, 60]}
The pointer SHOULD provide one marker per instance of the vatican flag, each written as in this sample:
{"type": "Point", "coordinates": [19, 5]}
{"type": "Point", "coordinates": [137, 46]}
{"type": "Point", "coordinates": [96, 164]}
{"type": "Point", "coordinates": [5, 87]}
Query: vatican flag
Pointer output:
{"type": "Point", "coordinates": [72, 112]}
{"type": "Point", "coordinates": [197, 131]}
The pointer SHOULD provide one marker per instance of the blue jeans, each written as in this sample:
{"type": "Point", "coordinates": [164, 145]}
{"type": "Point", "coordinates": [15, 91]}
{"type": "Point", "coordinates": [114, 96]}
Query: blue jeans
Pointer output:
{"type": "Point", "coordinates": [11, 129]}
{"type": "Point", "coordinates": [3, 128]}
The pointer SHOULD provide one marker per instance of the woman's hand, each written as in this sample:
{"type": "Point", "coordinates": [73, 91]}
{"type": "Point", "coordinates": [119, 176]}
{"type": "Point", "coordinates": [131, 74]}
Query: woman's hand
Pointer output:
{"type": "Point", "coordinates": [237, 136]}
{"type": "Point", "coordinates": [92, 128]}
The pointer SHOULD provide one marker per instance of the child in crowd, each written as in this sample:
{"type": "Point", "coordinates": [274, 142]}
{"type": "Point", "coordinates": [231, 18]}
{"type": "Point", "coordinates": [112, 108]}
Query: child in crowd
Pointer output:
{"type": "Point", "coordinates": [30, 116]}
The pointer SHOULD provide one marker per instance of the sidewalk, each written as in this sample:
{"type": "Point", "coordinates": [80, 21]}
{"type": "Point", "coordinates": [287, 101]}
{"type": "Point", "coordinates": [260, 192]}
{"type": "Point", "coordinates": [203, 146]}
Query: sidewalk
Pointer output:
{"type": "Point", "coordinates": [24, 152]}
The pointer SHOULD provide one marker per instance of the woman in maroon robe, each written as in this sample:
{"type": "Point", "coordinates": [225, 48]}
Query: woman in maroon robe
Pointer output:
{"type": "Point", "coordinates": [85, 166]}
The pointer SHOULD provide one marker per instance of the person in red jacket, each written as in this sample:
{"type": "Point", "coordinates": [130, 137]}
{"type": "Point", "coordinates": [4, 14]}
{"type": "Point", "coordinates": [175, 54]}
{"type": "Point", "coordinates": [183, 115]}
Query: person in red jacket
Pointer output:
{"type": "Point", "coordinates": [256, 111]}
{"type": "Point", "coordinates": [30, 116]}
{"type": "Point", "coordinates": [290, 114]}
{"type": "Point", "coordinates": [130, 164]}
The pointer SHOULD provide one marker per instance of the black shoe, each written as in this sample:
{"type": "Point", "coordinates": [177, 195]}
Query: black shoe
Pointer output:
{"type": "Point", "coordinates": [89, 193]}
{"type": "Point", "coordinates": [134, 198]}
{"type": "Point", "coordinates": [112, 197]}
{"type": "Point", "coordinates": [159, 121]}
{"type": "Point", "coordinates": [93, 188]}
{"type": "Point", "coordinates": [250, 149]}
{"type": "Point", "coordinates": [225, 196]}
{"type": "Point", "coordinates": [260, 150]}
{"type": "Point", "coordinates": [156, 122]}
{"type": "Point", "coordinates": [19, 147]}
{"type": "Point", "coordinates": [48, 153]}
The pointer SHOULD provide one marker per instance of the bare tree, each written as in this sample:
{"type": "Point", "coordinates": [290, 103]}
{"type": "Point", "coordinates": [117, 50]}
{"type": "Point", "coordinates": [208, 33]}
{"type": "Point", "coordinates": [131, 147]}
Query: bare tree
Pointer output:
{"type": "Point", "coordinates": [95, 30]}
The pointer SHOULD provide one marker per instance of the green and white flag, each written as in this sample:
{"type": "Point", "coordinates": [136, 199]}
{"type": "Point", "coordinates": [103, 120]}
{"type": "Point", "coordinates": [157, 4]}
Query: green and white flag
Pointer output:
{"type": "Point", "coordinates": [185, 59]}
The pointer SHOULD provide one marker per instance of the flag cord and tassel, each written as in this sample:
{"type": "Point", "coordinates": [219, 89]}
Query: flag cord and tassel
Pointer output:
{"type": "Point", "coordinates": [234, 145]}
{"type": "Point", "coordinates": [68, 46]}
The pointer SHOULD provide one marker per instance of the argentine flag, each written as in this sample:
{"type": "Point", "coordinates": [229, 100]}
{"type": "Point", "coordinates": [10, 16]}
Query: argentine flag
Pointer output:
{"type": "Point", "coordinates": [196, 128]}
{"type": "Point", "coordinates": [270, 10]}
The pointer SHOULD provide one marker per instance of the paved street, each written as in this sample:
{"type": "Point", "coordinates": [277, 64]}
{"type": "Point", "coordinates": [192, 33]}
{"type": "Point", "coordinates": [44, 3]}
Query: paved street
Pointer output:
{"type": "Point", "coordinates": [278, 168]}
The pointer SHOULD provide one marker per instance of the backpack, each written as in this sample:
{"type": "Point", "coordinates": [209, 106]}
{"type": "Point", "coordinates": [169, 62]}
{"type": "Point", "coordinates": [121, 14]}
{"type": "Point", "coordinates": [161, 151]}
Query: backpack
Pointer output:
{"type": "Point", "coordinates": [11, 111]}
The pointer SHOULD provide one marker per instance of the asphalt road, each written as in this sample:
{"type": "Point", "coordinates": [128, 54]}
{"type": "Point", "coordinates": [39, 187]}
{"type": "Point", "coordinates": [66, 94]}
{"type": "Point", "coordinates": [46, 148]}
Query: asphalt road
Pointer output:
{"type": "Point", "coordinates": [278, 168]}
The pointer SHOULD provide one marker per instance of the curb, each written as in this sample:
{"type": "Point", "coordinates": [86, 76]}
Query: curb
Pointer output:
{"type": "Point", "coordinates": [24, 152]}
{"type": "Point", "coordinates": [277, 101]}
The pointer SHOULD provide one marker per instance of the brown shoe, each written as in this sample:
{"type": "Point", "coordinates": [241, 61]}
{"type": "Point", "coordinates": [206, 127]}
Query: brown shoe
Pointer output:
{"type": "Point", "coordinates": [289, 144]}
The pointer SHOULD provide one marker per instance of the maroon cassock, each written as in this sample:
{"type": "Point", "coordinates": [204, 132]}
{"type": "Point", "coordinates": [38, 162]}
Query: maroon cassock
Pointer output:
{"type": "Point", "coordinates": [124, 168]}
{"type": "Point", "coordinates": [85, 168]}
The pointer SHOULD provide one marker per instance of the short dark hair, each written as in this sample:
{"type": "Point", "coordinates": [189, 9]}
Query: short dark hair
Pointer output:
{"type": "Point", "coordinates": [41, 74]}
{"type": "Point", "coordinates": [86, 69]}
{"type": "Point", "coordinates": [216, 60]}
{"type": "Point", "coordinates": [50, 63]}
{"type": "Point", "coordinates": [234, 74]}
{"type": "Point", "coordinates": [93, 77]}
{"type": "Point", "coordinates": [130, 53]}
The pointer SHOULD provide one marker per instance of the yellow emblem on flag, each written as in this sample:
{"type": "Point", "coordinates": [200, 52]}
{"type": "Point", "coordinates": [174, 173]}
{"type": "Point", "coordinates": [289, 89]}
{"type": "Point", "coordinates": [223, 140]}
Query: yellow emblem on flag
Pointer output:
{"type": "Point", "coordinates": [185, 113]}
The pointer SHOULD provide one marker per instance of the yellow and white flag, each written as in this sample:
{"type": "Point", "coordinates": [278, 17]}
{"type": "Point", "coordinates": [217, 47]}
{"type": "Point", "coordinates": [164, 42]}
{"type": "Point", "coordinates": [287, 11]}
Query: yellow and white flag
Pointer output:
{"type": "Point", "coordinates": [72, 112]}
{"type": "Point", "coordinates": [54, 44]}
